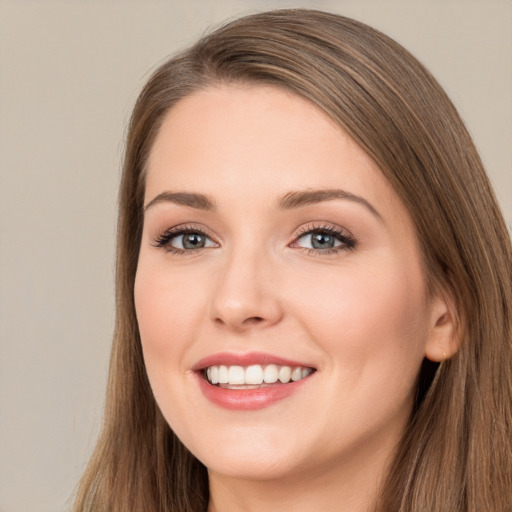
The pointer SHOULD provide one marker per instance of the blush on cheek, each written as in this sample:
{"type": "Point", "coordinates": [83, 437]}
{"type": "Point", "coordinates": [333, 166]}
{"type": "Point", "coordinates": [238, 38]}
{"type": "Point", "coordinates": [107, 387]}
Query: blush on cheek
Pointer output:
{"type": "Point", "coordinates": [168, 319]}
{"type": "Point", "coordinates": [151, 313]}
{"type": "Point", "coordinates": [368, 313]}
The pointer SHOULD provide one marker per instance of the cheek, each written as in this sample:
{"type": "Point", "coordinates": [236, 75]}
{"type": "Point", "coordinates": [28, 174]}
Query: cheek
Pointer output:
{"type": "Point", "coordinates": [372, 314]}
{"type": "Point", "coordinates": [371, 327]}
{"type": "Point", "coordinates": [167, 309]}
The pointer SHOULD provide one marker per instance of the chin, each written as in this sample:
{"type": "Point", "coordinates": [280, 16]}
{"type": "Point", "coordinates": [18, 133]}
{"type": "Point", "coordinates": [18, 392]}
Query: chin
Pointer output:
{"type": "Point", "coordinates": [267, 467]}
{"type": "Point", "coordinates": [251, 456]}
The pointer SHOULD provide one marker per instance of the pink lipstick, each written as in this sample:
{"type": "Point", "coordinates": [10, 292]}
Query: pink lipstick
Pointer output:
{"type": "Point", "coordinates": [249, 381]}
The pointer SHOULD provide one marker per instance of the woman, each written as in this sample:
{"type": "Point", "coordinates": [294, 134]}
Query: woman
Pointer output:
{"type": "Point", "coordinates": [313, 286]}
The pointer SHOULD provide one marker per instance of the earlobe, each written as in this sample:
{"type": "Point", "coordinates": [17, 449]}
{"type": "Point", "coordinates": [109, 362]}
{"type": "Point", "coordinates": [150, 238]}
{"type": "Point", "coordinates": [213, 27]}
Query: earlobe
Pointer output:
{"type": "Point", "coordinates": [444, 338]}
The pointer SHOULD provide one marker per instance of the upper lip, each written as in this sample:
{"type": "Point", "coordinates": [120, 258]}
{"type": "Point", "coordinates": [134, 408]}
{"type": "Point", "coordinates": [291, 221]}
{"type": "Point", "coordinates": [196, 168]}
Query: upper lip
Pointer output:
{"type": "Point", "coordinates": [246, 359]}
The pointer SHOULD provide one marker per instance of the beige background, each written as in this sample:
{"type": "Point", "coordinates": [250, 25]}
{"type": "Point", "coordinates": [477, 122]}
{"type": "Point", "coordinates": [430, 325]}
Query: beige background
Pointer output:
{"type": "Point", "coordinates": [69, 73]}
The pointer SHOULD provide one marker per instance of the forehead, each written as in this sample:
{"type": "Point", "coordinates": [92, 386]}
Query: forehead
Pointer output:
{"type": "Point", "coordinates": [246, 139]}
{"type": "Point", "coordinates": [241, 118]}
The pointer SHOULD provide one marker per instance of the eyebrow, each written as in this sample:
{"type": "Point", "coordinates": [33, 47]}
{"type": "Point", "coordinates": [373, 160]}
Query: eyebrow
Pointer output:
{"type": "Point", "coordinates": [298, 199]}
{"type": "Point", "coordinates": [289, 201]}
{"type": "Point", "coordinates": [193, 200]}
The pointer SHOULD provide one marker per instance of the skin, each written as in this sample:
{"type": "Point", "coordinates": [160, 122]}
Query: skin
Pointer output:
{"type": "Point", "coordinates": [360, 316]}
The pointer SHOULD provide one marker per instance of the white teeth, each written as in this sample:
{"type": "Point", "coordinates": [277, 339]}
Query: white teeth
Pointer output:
{"type": "Point", "coordinates": [305, 372]}
{"type": "Point", "coordinates": [285, 374]}
{"type": "Point", "coordinates": [255, 374]}
{"type": "Point", "coordinates": [236, 375]}
{"type": "Point", "coordinates": [214, 374]}
{"type": "Point", "coordinates": [270, 374]}
{"type": "Point", "coordinates": [296, 374]}
{"type": "Point", "coordinates": [223, 375]}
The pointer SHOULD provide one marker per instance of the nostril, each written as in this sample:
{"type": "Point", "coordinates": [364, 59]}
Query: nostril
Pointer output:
{"type": "Point", "coordinates": [253, 320]}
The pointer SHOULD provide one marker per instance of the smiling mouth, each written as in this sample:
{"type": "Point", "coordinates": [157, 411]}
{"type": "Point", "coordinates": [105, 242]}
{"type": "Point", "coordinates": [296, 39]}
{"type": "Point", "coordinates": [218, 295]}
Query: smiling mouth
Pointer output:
{"type": "Point", "coordinates": [254, 376]}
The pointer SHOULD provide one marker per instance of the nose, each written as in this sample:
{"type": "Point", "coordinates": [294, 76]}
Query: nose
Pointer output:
{"type": "Point", "coordinates": [246, 296]}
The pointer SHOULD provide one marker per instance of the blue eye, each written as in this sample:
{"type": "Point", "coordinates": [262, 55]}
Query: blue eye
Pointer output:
{"type": "Point", "coordinates": [319, 240]}
{"type": "Point", "coordinates": [322, 239]}
{"type": "Point", "coordinates": [189, 241]}
{"type": "Point", "coordinates": [183, 240]}
{"type": "Point", "coordinates": [315, 239]}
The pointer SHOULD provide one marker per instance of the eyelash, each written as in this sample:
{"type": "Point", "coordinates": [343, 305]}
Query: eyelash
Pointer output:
{"type": "Point", "coordinates": [348, 242]}
{"type": "Point", "coordinates": [163, 241]}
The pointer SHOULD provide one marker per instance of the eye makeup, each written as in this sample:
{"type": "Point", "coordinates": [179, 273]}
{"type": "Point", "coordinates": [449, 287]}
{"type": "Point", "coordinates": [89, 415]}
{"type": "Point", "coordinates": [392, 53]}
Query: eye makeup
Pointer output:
{"type": "Point", "coordinates": [183, 239]}
{"type": "Point", "coordinates": [333, 238]}
{"type": "Point", "coordinates": [315, 238]}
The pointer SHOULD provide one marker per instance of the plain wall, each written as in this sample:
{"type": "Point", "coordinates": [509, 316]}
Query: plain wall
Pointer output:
{"type": "Point", "coordinates": [69, 74]}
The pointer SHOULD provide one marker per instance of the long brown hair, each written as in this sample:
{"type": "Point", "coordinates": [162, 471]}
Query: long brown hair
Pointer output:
{"type": "Point", "coordinates": [456, 454]}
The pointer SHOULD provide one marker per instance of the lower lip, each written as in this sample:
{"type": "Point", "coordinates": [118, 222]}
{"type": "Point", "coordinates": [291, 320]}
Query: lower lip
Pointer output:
{"type": "Point", "coordinates": [248, 399]}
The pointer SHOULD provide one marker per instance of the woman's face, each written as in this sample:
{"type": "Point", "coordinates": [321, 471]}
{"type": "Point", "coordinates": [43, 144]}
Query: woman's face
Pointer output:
{"type": "Point", "coordinates": [274, 248]}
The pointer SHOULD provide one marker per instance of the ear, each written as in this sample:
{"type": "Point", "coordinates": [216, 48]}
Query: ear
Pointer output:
{"type": "Point", "coordinates": [444, 338]}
